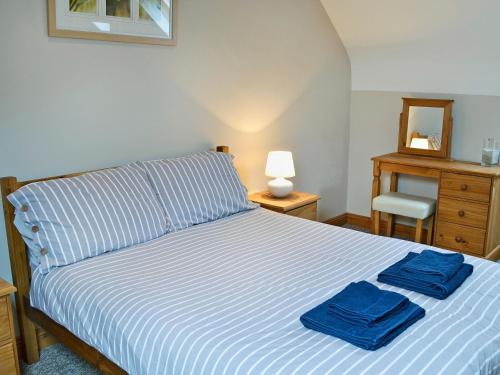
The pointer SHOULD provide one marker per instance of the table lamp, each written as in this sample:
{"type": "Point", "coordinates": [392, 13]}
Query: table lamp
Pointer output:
{"type": "Point", "coordinates": [280, 166]}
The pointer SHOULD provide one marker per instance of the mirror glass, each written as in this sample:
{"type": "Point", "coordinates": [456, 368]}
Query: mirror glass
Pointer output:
{"type": "Point", "coordinates": [425, 126]}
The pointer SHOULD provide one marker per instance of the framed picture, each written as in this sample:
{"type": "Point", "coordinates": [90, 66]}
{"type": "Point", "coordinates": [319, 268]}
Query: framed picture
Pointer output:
{"type": "Point", "coordinates": [131, 21]}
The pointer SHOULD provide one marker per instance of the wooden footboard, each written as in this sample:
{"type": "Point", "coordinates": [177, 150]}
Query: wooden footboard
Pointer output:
{"type": "Point", "coordinates": [72, 342]}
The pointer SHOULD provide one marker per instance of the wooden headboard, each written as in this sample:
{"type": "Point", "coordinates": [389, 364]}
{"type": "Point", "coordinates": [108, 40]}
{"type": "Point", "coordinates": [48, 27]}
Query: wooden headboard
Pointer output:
{"type": "Point", "coordinates": [19, 262]}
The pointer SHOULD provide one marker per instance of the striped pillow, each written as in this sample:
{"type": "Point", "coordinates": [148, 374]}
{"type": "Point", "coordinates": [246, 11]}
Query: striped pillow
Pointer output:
{"type": "Point", "coordinates": [198, 188]}
{"type": "Point", "coordinates": [69, 219]}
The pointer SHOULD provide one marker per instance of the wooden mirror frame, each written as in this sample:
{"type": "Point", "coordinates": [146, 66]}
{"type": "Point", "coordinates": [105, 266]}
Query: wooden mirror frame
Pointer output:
{"type": "Point", "coordinates": [445, 151]}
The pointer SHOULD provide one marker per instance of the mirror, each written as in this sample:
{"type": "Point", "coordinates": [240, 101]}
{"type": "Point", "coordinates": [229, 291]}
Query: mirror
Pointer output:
{"type": "Point", "coordinates": [425, 127]}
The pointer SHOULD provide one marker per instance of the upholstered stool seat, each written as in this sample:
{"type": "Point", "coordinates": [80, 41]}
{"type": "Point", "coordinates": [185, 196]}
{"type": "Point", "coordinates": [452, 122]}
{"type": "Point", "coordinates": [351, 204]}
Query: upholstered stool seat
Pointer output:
{"type": "Point", "coordinates": [405, 205]}
{"type": "Point", "coordinates": [413, 206]}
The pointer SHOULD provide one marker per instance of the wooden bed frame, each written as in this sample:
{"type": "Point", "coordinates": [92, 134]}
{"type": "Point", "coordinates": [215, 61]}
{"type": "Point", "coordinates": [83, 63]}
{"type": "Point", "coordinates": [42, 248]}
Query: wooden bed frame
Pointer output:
{"type": "Point", "coordinates": [28, 317]}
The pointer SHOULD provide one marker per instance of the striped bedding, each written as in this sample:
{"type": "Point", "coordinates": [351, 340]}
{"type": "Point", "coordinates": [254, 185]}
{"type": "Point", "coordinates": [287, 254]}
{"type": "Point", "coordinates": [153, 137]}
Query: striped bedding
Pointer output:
{"type": "Point", "coordinates": [198, 188]}
{"type": "Point", "coordinates": [225, 298]}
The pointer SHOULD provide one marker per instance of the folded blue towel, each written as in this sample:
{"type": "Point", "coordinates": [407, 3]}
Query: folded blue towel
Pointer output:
{"type": "Point", "coordinates": [369, 338]}
{"type": "Point", "coordinates": [393, 276]}
{"type": "Point", "coordinates": [431, 266]}
{"type": "Point", "coordinates": [365, 304]}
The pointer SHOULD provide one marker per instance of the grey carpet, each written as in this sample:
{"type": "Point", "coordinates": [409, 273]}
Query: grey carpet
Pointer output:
{"type": "Point", "coordinates": [58, 360]}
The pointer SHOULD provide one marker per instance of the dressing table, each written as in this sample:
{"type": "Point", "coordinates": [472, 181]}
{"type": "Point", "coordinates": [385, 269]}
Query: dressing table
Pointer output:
{"type": "Point", "coordinates": [468, 203]}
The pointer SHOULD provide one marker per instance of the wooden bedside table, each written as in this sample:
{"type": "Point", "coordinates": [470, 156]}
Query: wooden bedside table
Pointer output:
{"type": "Point", "coordinates": [298, 204]}
{"type": "Point", "coordinates": [9, 364]}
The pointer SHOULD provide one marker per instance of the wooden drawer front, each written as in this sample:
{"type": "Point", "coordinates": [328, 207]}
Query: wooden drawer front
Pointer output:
{"type": "Point", "coordinates": [272, 209]}
{"type": "Point", "coordinates": [4, 320]}
{"type": "Point", "coordinates": [7, 360]}
{"type": "Point", "coordinates": [309, 212]}
{"type": "Point", "coordinates": [465, 186]}
{"type": "Point", "coordinates": [460, 237]}
{"type": "Point", "coordinates": [463, 212]}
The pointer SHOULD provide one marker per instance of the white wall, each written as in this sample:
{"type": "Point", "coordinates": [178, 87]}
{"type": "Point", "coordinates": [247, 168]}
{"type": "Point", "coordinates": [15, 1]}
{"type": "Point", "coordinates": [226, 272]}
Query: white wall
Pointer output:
{"type": "Point", "coordinates": [255, 75]}
{"type": "Point", "coordinates": [445, 46]}
{"type": "Point", "coordinates": [374, 131]}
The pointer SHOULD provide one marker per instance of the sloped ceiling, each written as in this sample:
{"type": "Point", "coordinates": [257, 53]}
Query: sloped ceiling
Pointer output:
{"type": "Point", "coordinates": [434, 46]}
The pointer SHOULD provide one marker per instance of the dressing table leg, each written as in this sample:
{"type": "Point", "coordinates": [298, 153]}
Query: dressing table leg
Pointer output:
{"type": "Point", "coordinates": [390, 219]}
{"type": "Point", "coordinates": [376, 226]}
{"type": "Point", "coordinates": [375, 193]}
{"type": "Point", "coordinates": [418, 231]}
{"type": "Point", "coordinates": [430, 229]}
{"type": "Point", "coordinates": [394, 181]}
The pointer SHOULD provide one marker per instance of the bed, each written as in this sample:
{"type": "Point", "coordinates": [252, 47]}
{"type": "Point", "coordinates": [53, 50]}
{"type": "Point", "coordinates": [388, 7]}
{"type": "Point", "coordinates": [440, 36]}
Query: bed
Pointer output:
{"type": "Point", "coordinates": [225, 297]}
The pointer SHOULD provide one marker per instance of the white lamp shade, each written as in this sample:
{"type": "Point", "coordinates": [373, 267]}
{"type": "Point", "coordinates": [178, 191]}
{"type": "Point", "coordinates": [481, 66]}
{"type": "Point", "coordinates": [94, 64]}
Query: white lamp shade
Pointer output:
{"type": "Point", "coordinates": [280, 164]}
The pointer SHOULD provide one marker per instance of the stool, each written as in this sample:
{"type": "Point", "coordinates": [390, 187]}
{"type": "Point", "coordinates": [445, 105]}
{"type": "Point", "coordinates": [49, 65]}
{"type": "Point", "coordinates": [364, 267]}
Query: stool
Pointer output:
{"type": "Point", "coordinates": [394, 203]}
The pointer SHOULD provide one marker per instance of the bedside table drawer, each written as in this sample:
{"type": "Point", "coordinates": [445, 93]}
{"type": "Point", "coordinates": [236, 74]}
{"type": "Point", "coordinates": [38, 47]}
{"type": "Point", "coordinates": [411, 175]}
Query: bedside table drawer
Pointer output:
{"type": "Point", "coordinates": [463, 212]}
{"type": "Point", "coordinates": [309, 212]}
{"type": "Point", "coordinates": [4, 321]}
{"type": "Point", "coordinates": [7, 360]}
{"type": "Point", "coordinates": [299, 204]}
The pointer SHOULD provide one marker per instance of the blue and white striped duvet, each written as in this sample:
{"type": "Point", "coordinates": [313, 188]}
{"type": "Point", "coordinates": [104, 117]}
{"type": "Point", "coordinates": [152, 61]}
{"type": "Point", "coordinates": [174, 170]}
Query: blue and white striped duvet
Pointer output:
{"type": "Point", "coordinates": [225, 297]}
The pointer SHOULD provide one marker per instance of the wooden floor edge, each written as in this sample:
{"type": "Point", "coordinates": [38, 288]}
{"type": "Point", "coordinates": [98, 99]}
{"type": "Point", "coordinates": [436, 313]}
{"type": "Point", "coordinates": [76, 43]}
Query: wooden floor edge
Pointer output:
{"type": "Point", "coordinates": [338, 221]}
{"type": "Point", "coordinates": [364, 222]}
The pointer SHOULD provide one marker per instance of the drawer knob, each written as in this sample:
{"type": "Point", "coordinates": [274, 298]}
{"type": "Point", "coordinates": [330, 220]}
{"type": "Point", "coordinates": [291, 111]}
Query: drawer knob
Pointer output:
{"type": "Point", "coordinates": [459, 239]}
{"type": "Point", "coordinates": [463, 187]}
{"type": "Point", "coordinates": [461, 213]}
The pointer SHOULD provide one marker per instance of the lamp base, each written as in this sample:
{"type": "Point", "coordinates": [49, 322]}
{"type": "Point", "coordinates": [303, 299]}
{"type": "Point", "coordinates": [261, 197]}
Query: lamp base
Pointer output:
{"type": "Point", "coordinates": [280, 187]}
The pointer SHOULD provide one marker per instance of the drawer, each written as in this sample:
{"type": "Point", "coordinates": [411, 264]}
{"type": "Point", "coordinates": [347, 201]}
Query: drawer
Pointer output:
{"type": "Point", "coordinates": [465, 187]}
{"type": "Point", "coordinates": [463, 212]}
{"type": "Point", "coordinates": [7, 360]}
{"type": "Point", "coordinates": [460, 237]}
{"type": "Point", "coordinates": [309, 211]}
{"type": "Point", "coordinates": [4, 320]}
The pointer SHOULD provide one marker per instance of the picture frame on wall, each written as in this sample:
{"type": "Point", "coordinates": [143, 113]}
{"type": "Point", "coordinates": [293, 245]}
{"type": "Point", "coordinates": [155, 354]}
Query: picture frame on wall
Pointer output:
{"type": "Point", "coordinates": [129, 21]}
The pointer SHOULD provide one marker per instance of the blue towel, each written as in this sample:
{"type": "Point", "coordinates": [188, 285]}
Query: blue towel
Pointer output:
{"type": "Point", "coordinates": [369, 338]}
{"type": "Point", "coordinates": [365, 304]}
{"type": "Point", "coordinates": [393, 276]}
{"type": "Point", "coordinates": [432, 266]}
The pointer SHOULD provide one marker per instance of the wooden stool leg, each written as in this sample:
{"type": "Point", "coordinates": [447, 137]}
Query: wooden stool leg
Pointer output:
{"type": "Point", "coordinates": [390, 219]}
{"type": "Point", "coordinates": [376, 224]}
{"type": "Point", "coordinates": [375, 190]}
{"type": "Point", "coordinates": [430, 229]}
{"type": "Point", "coordinates": [418, 230]}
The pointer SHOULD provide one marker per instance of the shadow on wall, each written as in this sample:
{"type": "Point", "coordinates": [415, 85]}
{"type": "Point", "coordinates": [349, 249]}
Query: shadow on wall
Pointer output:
{"type": "Point", "coordinates": [246, 104]}
{"type": "Point", "coordinates": [257, 125]}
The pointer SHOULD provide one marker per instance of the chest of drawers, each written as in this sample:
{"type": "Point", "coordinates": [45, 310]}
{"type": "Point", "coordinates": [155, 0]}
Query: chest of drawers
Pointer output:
{"type": "Point", "coordinates": [9, 364]}
{"type": "Point", "coordinates": [468, 217]}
